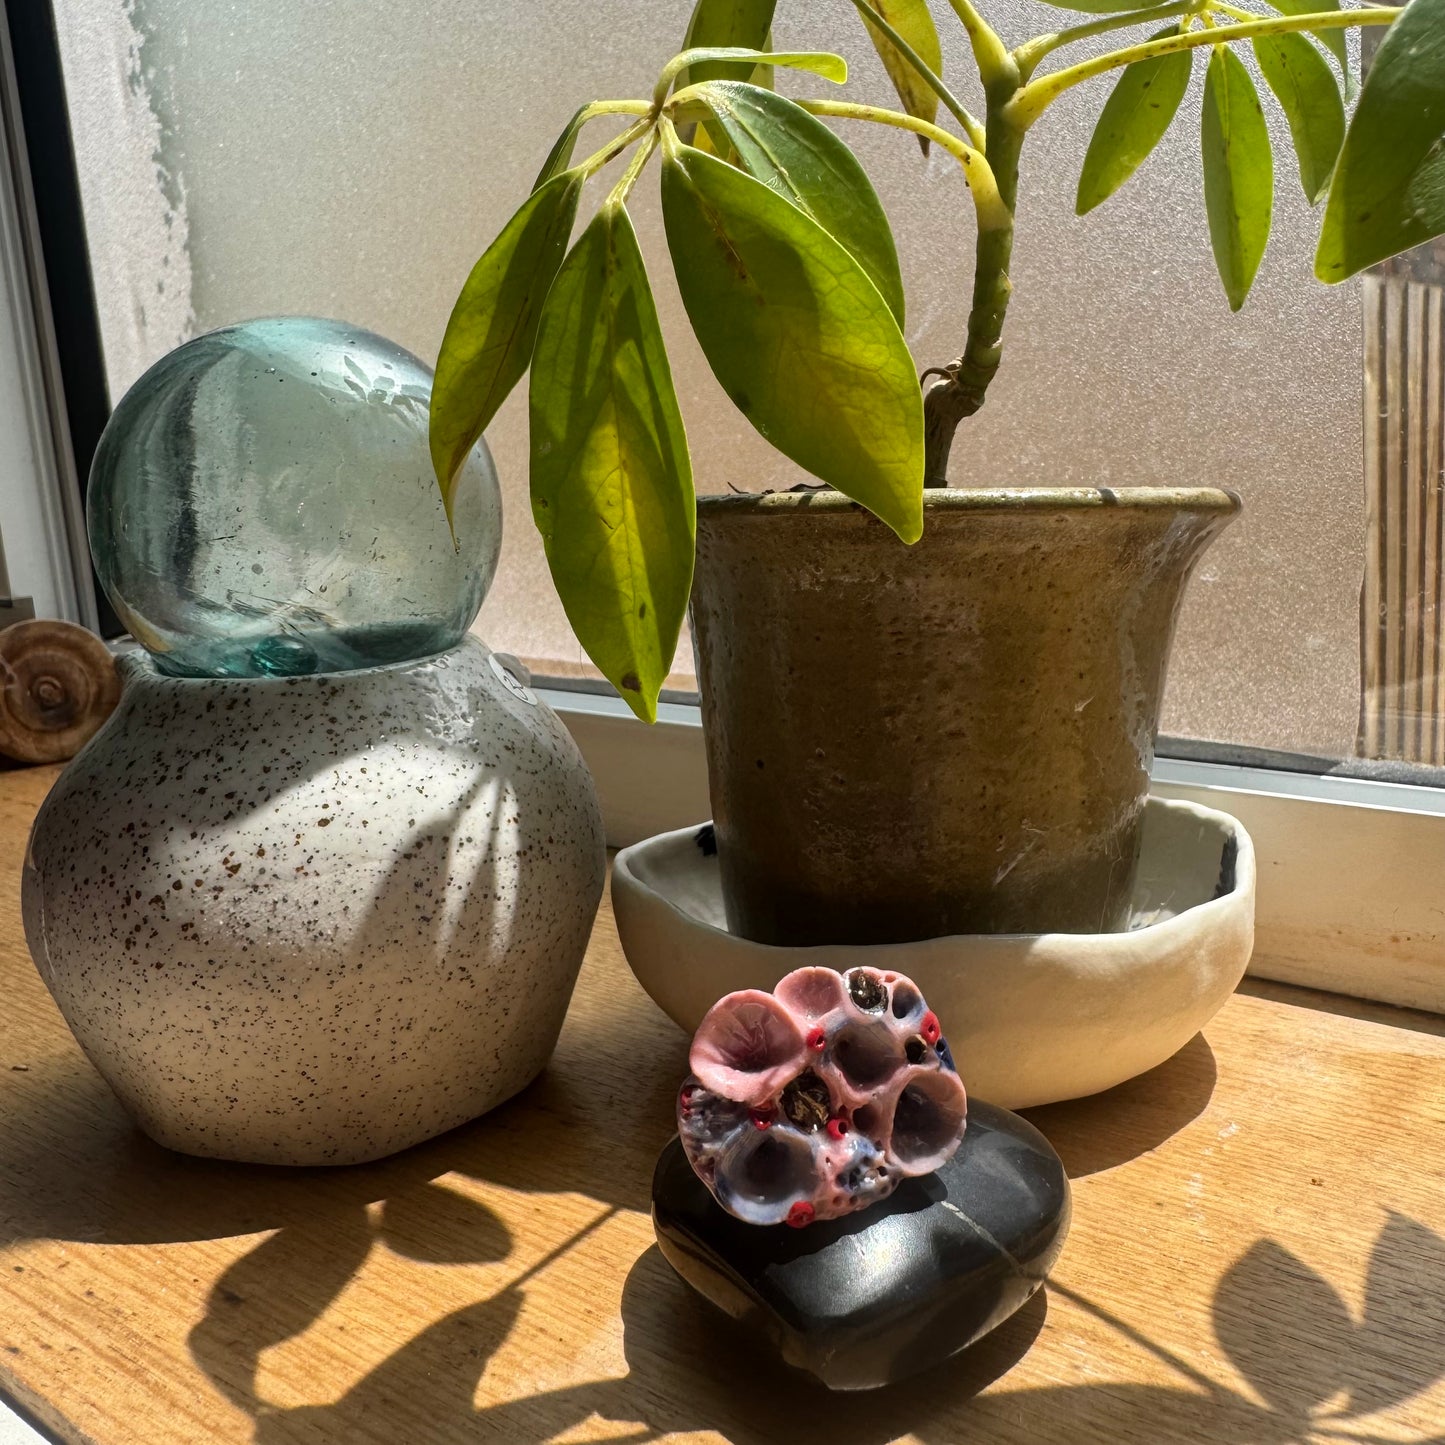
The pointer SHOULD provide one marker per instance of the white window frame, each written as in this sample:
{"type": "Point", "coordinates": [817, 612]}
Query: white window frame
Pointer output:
{"type": "Point", "coordinates": [1351, 891]}
{"type": "Point", "coordinates": [41, 515]}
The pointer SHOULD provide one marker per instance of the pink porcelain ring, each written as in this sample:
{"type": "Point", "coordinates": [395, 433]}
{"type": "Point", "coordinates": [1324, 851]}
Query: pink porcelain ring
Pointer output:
{"type": "Point", "coordinates": [815, 1100]}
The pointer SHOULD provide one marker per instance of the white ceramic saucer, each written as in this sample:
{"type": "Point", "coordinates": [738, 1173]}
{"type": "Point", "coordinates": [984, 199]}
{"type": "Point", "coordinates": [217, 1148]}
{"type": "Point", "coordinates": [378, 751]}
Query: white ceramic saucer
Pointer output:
{"type": "Point", "coordinates": [1031, 1018]}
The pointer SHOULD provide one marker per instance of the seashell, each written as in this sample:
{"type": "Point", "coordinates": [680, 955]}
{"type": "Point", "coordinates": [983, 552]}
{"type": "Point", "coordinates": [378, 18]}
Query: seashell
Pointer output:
{"type": "Point", "coordinates": [813, 1101]}
{"type": "Point", "coordinates": [58, 684]}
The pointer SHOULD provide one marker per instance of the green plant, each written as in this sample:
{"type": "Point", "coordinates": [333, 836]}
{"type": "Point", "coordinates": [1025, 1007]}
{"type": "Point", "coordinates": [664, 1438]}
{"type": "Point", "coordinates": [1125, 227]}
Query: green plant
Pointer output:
{"type": "Point", "coordinates": [789, 276]}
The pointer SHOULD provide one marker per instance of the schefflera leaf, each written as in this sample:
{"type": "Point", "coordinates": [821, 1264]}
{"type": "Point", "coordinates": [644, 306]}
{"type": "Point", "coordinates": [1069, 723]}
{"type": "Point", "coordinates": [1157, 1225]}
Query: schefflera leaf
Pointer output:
{"type": "Point", "coordinates": [709, 136]}
{"type": "Point", "coordinates": [801, 340]}
{"type": "Point", "coordinates": [913, 22]}
{"type": "Point", "coordinates": [1332, 40]}
{"type": "Point", "coordinates": [493, 327]}
{"type": "Point", "coordinates": [744, 23]}
{"type": "Point", "coordinates": [1139, 110]}
{"type": "Point", "coordinates": [796, 155]}
{"type": "Point", "coordinates": [1388, 192]}
{"type": "Point", "coordinates": [611, 479]}
{"type": "Point", "coordinates": [559, 158]}
{"type": "Point", "coordinates": [1238, 173]}
{"type": "Point", "coordinates": [1304, 85]}
{"type": "Point", "coordinates": [822, 63]}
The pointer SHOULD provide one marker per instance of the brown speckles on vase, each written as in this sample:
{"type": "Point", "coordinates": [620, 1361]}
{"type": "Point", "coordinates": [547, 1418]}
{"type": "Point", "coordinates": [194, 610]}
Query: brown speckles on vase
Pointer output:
{"type": "Point", "coordinates": [258, 984]}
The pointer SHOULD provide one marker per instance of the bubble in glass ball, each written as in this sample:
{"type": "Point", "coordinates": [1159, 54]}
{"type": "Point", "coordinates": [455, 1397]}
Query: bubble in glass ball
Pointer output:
{"type": "Point", "coordinates": [262, 503]}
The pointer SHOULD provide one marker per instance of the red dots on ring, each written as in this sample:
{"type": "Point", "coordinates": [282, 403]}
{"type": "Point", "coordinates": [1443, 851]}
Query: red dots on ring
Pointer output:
{"type": "Point", "coordinates": [800, 1214]}
{"type": "Point", "coordinates": [784, 1082]}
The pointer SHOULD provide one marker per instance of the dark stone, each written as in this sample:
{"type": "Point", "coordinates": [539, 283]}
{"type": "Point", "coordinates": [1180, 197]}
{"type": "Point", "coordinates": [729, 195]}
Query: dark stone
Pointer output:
{"type": "Point", "coordinates": [869, 1299]}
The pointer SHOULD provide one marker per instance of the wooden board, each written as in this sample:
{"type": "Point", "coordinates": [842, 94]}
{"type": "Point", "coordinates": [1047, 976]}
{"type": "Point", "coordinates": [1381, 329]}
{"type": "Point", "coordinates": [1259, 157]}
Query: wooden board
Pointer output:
{"type": "Point", "coordinates": [1256, 1256]}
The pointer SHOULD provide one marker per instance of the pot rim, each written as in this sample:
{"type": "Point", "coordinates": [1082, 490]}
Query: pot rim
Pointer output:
{"type": "Point", "coordinates": [1219, 500]}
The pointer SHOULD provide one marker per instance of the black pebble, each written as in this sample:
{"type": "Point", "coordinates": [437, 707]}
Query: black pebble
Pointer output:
{"type": "Point", "coordinates": [872, 1298]}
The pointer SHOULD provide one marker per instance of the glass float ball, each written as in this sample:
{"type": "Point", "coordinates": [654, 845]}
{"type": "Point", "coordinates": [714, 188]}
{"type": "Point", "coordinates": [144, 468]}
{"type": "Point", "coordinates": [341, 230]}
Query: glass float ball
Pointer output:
{"type": "Point", "coordinates": [262, 503]}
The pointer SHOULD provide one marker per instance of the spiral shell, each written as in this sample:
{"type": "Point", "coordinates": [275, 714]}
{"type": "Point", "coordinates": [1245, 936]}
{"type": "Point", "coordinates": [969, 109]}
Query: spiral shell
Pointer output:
{"type": "Point", "coordinates": [815, 1100]}
{"type": "Point", "coordinates": [58, 683]}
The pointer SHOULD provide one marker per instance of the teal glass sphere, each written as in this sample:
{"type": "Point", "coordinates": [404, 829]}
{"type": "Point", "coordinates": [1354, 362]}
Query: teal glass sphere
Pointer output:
{"type": "Point", "coordinates": [262, 503]}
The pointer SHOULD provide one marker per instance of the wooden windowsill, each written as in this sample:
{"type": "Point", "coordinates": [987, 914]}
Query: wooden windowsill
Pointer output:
{"type": "Point", "coordinates": [1257, 1254]}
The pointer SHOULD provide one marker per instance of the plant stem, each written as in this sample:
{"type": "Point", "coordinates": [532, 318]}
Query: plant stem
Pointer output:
{"type": "Point", "coordinates": [615, 107]}
{"type": "Point", "coordinates": [674, 67]}
{"type": "Point", "coordinates": [992, 213]}
{"type": "Point", "coordinates": [966, 381]}
{"type": "Point", "coordinates": [616, 146]}
{"type": "Point", "coordinates": [989, 52]}
{"type": "Point", "coordinates": [628, 179]}
{"type": "Point", "coordinates": [671, 142]}
{"type": "Point", "coordinates": [972, 128]}
{"type": "Point", "coordinates": [1031, 52]}
{"type": "Point", "coordinates": [1034, 98]}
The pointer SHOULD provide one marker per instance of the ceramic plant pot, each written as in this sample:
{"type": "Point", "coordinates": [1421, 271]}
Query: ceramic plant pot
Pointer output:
{"type": "Point", "coordinates": [950, 738]}
{"type": "Point", "coordinates": [314, 920]}
{"type": "Point", "coordinates": [1031, 1018]}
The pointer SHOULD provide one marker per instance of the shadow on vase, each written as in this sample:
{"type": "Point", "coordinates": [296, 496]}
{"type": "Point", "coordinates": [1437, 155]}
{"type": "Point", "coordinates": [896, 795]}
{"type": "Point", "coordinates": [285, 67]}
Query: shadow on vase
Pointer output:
{"type": "Point", "coordinates": [1109, 1129]}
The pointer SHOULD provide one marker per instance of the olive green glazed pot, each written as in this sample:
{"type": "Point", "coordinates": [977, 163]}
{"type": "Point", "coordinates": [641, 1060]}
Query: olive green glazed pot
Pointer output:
{"type": "Point", "coordinates": [948, 738]}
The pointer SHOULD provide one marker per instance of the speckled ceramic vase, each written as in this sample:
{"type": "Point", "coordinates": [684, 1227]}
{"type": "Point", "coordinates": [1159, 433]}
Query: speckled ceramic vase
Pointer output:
{"type": "Point", "coordinates": [950, 738]}
{"type": "Point", "coordinates": [314, 920]}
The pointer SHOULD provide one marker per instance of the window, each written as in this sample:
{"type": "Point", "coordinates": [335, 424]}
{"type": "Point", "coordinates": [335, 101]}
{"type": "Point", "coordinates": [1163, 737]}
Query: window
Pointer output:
{"type": "Point", "coordinates": [354, 160]}
{"type": "Point", "coordinates": [246, 159]}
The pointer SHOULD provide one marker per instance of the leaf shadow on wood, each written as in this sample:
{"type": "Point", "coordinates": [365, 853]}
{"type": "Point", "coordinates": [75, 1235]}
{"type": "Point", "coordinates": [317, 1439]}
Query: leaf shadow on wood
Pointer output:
{"type": "Point", "coordinates": [276, 1291]}
{"type": "Point", "coordinates": [1287, 1331]}
{"type": "Point", "coordinates": [545, 1139]}
{"type": "Point", "coordinates": [685, 1364]}
{"type": "Point", "coordinates": [422, 1392]}
{"type": "Point", "coordinates": [133, 1191]}
{"type": "Point", "coordinates": [289, 1280]}
{"type": "Point", "coordinates": [1109, 1129]}
{"type": "Point", "coordinates": [691, 1370]}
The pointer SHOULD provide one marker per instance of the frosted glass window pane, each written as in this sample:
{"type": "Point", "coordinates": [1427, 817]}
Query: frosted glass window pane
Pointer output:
{"type": "Point", "coordinates": [352, 160]}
